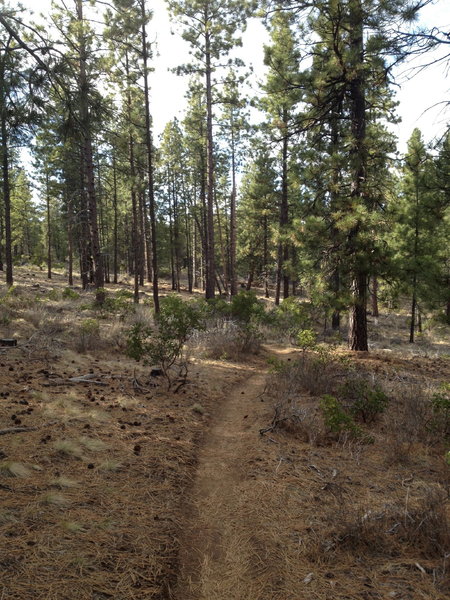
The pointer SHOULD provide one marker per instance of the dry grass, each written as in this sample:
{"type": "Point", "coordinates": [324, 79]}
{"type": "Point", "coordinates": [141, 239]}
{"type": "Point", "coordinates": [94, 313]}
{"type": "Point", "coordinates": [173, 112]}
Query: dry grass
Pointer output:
{"type": "Point", "coordinates": [307, 518]}
{"type": "Point", "coordinates": [226, 340]}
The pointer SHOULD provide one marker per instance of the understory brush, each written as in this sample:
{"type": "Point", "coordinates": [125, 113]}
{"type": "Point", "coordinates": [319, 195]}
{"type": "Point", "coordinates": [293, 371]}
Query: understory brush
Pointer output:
{"type": "Point", "coordinates": [416, 521]}
{"type": "Point", "coordinates": [163, 345]}
{"type": "Point", "coordinates": [232, 329]}
{"type": "Point", "coordinates": [322, 397]}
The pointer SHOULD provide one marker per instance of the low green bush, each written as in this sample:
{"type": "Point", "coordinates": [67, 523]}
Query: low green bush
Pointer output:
{"type": "Point", "coordinates": [163, 344]}
{"type": "Point", "coordinates": [440, 404]}
{"type": "Point", "coordinates": [70, 294]}
{"type": "Point", "coordinates": [336, 419]}
{"type": "Point", "coordinates": [366, 401]}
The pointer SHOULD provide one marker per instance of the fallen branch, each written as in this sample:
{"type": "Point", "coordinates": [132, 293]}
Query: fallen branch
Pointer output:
{"type": "Point", "coordinates": [25, 429]}
{"type": "Point", "coordinates": [89, 378]}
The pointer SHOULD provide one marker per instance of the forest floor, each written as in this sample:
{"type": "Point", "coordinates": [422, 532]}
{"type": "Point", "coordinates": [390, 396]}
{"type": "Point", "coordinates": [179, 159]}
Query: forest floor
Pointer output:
{"type": "Point", "coordinates": [118, 488]}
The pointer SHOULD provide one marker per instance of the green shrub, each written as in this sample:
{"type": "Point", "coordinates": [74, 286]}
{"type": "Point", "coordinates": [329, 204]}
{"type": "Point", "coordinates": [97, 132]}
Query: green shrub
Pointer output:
{"type": "Point", "coordinates": [119, 303]}
{"type": "Point", "coordinates": [440, 404]}
{"type": "Point", "coordinates": [89, 331]}
{"type": "Point", "coordinates": [53, 295]}
{"type": "Point", "coordinates": [246, 307]}
{"type": "Point", "coordinates": [336, 419]}
{"type": "Point", "coordinates": [307, 339]}
{"type": "Point", "coordinates": [70, 294]}
{"type": "Point", "coordinates": [366, 401]}
{"type": "Point", "coordinates": [163, 345]}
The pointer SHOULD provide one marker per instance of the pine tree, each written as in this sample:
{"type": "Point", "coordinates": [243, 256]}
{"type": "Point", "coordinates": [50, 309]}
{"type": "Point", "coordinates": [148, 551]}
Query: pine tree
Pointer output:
{"type": "Point", "coordinates": [280, 103]}
{"type": "Point", "coordinates": [22, 85]}
{"type": "Point", "coordinates": [210, 27]}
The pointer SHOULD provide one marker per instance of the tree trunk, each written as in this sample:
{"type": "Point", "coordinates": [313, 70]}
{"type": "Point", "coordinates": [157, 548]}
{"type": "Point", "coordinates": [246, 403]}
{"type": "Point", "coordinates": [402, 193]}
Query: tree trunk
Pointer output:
{"type": "Point", "coordinates": [1, 241]}
{"type": "Point", "coordinates": [412, 322]}
{"type": "Point", "coordinates": [251, 276]}
{"type": "Point", "coordinates": [358, 315]}
{"type": "Point", "coordinates": [88, 164]}
{"type": "Point", "coordinates": [210, 248]}
{"type": "Point", "coordinates": [6, 193]}
{"type": "Point", "coordinates": [223, 254]}
{"type": "Point", "coordinates": [84, 232]}
{"type": "Point", "coordinates": [266, 257]}
{"type": "Point", "coordinates": [233, 228]}
{"type": "Point", "coordinates": [336, 284]}
{"type": "Point", "coordinates": [141, 238]}
{"type": "Point", "coordinates": [49, 230]}
{"type": "Point", "coordinates": [149, 146]}
{"type": "Point", "coordinates": [358, 160]}
{"type": "Point", "coordinates": [116, 221]}
{"type": "Point", "coordinates": [375, 311]}
{"type": "Point", "coordinates": [70, 237]}
{"type": "Point", "coordinates": [284, 210]}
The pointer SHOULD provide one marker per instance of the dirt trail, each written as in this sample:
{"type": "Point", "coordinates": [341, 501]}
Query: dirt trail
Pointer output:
{"type": "Point", "coordinates": [213, 559]}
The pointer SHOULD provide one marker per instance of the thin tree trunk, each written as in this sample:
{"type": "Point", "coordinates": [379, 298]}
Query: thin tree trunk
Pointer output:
{"type": "Point", "coordinates": [412, 322]}
{"type": "Point", "coordinates": [284, 210]}
{"type": "Point", "coordinates": [172, 261]}
{"type": "Point", "coordinates": [375, 311]}
{"type": "Point", "coordinates": [210, 249]}
{"type": "Point", "coordinates": [222, 247]}
{"type": "Point", "coordinates": [134, 211]}
{"type": "Point", "coordinates": [84, 230]}
{"type": "Point", "coordinates": [88, 165]}
{"type": "Point", "coordinates": [116, 221]}
{"type": "Point", "coordinates": [141, 238]}
{"type": "Point", "coordinates": [6, 193]}
{"type": "Point", "coordinates": [148, 243]}
{"type": "Point", "coordinates": [336, 284]}
{"type": "Point", "coordinates": [251, 276]}
{"type": "Point", "coordinates": [233, 228]}
{"type": "Point", "coordinates": [176, 237]}
{"type": "Point", "coordinates": [1, 241]}
{"type": "Point", "coordinates": [149, 145]}
{"type": "Point", "coordinates": [266, 257]}
{"type": "Point", "coordinates": [49, 230]}
{"type": "Point", "coordinates": [70, 237]}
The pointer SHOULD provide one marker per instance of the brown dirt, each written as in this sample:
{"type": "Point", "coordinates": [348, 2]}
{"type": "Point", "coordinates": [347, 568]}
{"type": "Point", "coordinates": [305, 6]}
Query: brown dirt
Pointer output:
{"type": "Point", "coordinates": [211, 556]}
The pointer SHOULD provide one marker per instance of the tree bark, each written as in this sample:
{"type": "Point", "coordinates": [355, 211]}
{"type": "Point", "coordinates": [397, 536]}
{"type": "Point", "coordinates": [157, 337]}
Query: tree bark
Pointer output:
{"type": "Point", "coordinates": [210, 247]}
{"type": "Point", "coordinates": [358, 160]}
{"type": "Point", "coordinates": [70, 237]}
{"type": "Point", "coordinates": [116, 221]}
{"type": "Point", "coordinates": [5, 175]}
{"type": "Point", "coordinates": [6, 193]}
{"type": "Point", "coordinates": [88, 164]}
{"type": "Point", "coordinates": [149, 147]}
{"type": "Point", "coordinates": [233, 227]}
{"type": "Point", "coordinates": [49, 231]}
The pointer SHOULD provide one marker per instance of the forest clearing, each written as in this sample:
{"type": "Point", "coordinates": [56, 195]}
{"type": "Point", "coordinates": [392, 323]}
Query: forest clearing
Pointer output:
{"type": "Point", "coordinates": [236, 485]}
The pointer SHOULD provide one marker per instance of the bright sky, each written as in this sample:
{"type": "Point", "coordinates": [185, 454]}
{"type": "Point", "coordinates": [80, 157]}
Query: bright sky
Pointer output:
{"type": "Point", "coordinates": [416, 95]}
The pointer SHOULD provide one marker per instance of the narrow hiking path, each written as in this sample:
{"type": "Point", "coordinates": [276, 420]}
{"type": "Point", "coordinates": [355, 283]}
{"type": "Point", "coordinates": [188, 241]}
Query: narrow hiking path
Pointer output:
{"type": "Point", "coordinates": [213, 559]}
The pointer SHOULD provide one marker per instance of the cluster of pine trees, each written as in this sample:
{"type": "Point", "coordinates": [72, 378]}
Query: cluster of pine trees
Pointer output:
{"type": "Point", "coordinates": [312, 199]}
